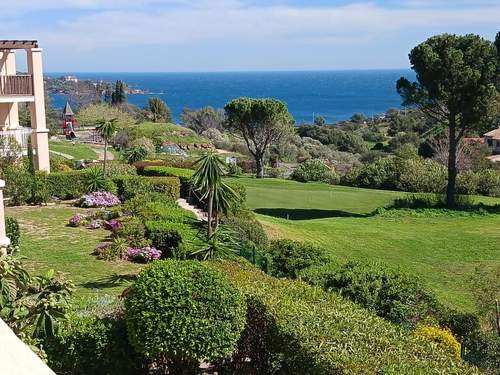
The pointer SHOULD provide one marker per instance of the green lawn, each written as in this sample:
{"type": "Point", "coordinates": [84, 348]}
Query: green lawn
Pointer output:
{"type": "Point", "coordinates": [78, 150]}
{"type": "Point", "coordinates": [442, 250]}
{"type": "Point", "coordinates": [48, 243]}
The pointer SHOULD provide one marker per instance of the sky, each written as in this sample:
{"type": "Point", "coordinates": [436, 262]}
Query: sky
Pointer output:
{"type": "Point", "coordinates": [237, 35]}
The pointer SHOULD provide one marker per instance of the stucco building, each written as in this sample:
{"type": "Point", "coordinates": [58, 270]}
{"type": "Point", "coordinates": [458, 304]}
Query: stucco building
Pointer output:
{"type": "Point", "coordinates": [28, 88]}
{"type": "Point", "coordinates": [492, 140]}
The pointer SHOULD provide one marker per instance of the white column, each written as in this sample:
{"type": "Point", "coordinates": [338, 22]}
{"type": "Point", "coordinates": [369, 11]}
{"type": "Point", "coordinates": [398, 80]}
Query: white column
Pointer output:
{"type": "Point", "coordinates": [11, 70]}
{"type": "Point", "coordinates": [4, 240]}
{"type": "Point", "coordinates": [40, 136]}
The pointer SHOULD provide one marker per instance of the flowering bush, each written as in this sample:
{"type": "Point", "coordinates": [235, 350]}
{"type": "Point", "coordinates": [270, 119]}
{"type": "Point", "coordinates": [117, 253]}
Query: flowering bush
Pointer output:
{"type": "Point", "coordinates": [113, 225]}
{"type": "Point", "coordinates": [78, 220]}
{"type": "Point", "coordinates": [442, 337]}
{"type": "Point", "coordinates": [99, 199]}
{"type": "Point", "coordinates": [143, 255]}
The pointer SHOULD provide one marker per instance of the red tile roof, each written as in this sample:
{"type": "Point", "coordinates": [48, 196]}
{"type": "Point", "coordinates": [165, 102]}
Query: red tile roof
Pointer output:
{"type": "Point", "coordinates": [494, 134]}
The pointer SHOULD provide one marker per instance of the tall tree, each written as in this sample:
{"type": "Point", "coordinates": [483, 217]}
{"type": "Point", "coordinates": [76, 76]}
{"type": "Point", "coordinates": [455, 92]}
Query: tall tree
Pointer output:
{"type": "Point", "coordinates": [455, 86]}
{"type": "Point", "coordinates": [106, 129]}
{"type": "Point", "coordinates": [119, 95]}
{"type": "Point", "coordinates": [261, 122]}
{"type": "Point", "coordinates": [207, 180]}
{"type": "Point", "coordinates": [159, 110]}
{"type": "Point", "coordinates": [202, 119]}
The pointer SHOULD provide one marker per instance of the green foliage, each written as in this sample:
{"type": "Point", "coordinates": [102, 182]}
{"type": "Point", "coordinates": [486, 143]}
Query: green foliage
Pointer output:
{"type": "Point", "coordinates": [288, 258]}
{"type": "Point", "coordinates": [391, 294]}
{"type": "Point", "coordinates": [202, 119]}
{"type": "Point", "coordinates": [32, 305]}
{"type": "Point", "coordinates": [484, 284]}
{"type": "Point", "coordinates": [117, 249]}
{"type": "Point", "coordinates": [67, 185]}
{"type": "Point", "coordinates": [483, 351]}
{"type": "Point", "coordinates": [234, 170]}
{"type": "Point", "coordinates": [260, 122]}
{"type": "Point", "coordinates": [382, 174]}
{"type": "Point", "coordinates": [314, 170]}
{"type": "Point", "coordinates": [119, 96]}
{"type": "Point", "coordinates": [133, 232]}
{"type": "Point", "coordinates": [184, 311]}
{"type": "Point", "coordinates": [114, 169]}
{"type": "Point", "coordinates": [299, 329]}
{"type": "Point", "coordinates": [421, 175]}
{"type": "Point", "coordinates": [130, 186]}
{"type": "Point", "coordinates": [13, 232]}
{"type": "Point", "coordinates": [456, 78]}
{"type": "Point", "coordinates": [40, 190]}
{"type": "Point", "coordinates": [172, 238]}
{"type": "Point", "coordinates": [95, 180]}
{"type": "Point", "coordinates": [18, 184]}
{"type": "Point", "coordinates": [247, 227]}
{"type": "Point", "coordinates": [183, 174]}
{"type": "Point", "coordinates": [488, 182]}
{"type": "Point", "coordinates": [94, 345]}
{"type": "Point", "coordinates": [91, 114]}
{"type": "Point", "coordinates": [158, 109]}
{"type": "Point", "coordinates": [358, 117]}
{"type": "Point", "coordinates": [134, 154]}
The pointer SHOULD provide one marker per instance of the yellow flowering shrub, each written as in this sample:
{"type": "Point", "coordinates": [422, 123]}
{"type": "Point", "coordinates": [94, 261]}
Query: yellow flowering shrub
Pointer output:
{"type": "Point", "coordinates": [442, 337]}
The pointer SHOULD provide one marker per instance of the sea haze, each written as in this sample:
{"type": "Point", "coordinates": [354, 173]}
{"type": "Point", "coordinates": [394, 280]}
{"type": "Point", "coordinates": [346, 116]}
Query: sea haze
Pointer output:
{"type": "Point", "coordinates": [336, 95]}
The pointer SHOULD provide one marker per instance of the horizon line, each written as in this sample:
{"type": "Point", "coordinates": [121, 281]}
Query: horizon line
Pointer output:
{"type": "Point", "coordinates": [230, 71]}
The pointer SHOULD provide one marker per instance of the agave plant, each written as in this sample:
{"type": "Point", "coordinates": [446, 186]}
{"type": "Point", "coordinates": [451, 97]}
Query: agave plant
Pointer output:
{"type": "Point", "coordinates": [222, 244]}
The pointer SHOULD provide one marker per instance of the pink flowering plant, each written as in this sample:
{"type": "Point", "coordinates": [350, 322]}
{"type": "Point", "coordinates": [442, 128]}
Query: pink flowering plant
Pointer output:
{"type": "Point", "coordinates": [78, 220]}
{"type": "Point", "coordinates": [143, 255]}
{"type": "Point", "coordinates": [113, 225]}
{"type": "Point", "coordinates": [99, 199]}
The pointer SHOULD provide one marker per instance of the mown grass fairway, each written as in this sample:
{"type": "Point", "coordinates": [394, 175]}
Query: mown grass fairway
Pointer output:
{"type": "Point", "coordinates": [47, 243]}
{"type": "Point", "coordinates": [442, 250]}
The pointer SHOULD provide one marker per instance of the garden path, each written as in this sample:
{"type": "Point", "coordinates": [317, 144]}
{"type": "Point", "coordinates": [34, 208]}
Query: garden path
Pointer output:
{"type": "Point", "coordinates": [200, 214]}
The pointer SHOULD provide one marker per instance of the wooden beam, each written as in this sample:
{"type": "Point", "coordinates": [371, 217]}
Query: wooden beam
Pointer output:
{"type": "Point", "coordinates": [18, 44]}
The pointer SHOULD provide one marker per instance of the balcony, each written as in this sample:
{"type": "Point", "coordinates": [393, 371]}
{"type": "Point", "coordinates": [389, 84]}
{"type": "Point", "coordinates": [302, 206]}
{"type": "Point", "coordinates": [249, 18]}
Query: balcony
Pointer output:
{"type": "Point", "coordinates": [16, 86]}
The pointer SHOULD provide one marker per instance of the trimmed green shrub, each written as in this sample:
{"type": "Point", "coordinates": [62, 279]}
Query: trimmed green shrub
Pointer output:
{"type": "Point", "coordinates": [130, 186]}
{"type": "Point", "coordinates": [18, 184]}
{"type": "Point", "coordinates": [94, 345]}
{"type": "Point", "coordinates": [134, 232]}
{"type": "Point", "coordinates": [115, 168]}
{"type": "Point", "coordinates": [389, 293]}
{"type": "Point", "coordinates": [248, 228]}
{"type": "Point", "coordinates": [300, 329]}
{"type": "Point", "coordinates": [467, 183]}
{"type": "Point", "coordinates": [442, 337]}
{"type": "Point", "coordinates": [170, 237]}
{"type": "Point", "coordinates": [288, 258]}
{"type": "Point", "coordinates": [184, 311]}
{"type": "Point", "coordinates": [41, 190]}
{"type": "Point", "coordinates": [382, 174]}
{"type": "Point", "coordinates": [183, 174]}
{"type": "Point", "coordinates": [314, 170]}
{"type": "Point", "coordinates": [67, 185]}
{"type": "Point", "coordinates": [13, 232]}
{"type": "Point", "coordinates": [462, 324]}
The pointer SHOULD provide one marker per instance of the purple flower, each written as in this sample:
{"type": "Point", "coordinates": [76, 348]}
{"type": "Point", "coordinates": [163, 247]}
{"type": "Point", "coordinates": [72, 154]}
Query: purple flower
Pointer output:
{"type": "Point", "coordinates": [143, 255]}
{"type": "Point", "coordinates": [77, 220]}
{"type": "Point", "coordinates": [113, 225]}
{"type": "Point", "coordinates": [99, 199]}
{"type": "Point", "coordinates": [95, 224]}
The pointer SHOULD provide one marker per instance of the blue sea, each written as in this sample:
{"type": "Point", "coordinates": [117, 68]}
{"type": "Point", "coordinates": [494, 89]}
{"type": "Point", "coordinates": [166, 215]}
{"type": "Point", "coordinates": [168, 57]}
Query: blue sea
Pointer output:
{"type": "Point", "coordinates": [335, 95]}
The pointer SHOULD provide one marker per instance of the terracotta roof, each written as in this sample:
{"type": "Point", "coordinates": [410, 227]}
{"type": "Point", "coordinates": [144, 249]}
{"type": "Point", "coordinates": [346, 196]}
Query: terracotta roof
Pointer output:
{"type": "Point", "coordinates": [494, 134]}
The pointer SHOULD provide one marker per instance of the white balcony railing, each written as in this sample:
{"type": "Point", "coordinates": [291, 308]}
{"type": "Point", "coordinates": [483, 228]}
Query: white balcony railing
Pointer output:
{"type": "Point", "coordinates": [14, 140]}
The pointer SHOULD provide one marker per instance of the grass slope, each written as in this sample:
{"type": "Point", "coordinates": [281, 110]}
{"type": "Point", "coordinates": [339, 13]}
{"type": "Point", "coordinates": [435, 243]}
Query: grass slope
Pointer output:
{"type": "Point", "coordinates": [78, 150]}
{"type": "Point", "coordinates": [443, 250]}
{"type": "Point", "coordinates": [47, 243]}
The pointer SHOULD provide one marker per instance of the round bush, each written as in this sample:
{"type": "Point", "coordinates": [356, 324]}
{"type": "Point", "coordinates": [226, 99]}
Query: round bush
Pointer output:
{"type": "Point", "coordinates": [442, 337]}
{"type": "Point", "coordinates": [184, 311]}
{"type": "Point", "coordinates": [314, 170]}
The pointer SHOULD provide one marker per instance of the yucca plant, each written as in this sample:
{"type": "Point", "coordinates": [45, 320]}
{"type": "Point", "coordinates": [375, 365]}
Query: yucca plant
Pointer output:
{"type": "Point", "coordinates": [106, 129]}
{"type": "Point", "coordinates": [207, 181]}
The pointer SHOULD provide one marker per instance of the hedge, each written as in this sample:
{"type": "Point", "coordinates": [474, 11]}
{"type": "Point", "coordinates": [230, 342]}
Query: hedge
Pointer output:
{"type": "Point", "coordinates": [183, 174]}
{"type": "Point", "coordinates": [131, 186]}
{"type": "Point", "coordinates": [67, 185]}
{"type": "Point", "coordinates": [300, 329]}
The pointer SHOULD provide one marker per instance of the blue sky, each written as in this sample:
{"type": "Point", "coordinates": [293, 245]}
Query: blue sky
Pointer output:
{"type": "Point", "coordinates": [236, 35]}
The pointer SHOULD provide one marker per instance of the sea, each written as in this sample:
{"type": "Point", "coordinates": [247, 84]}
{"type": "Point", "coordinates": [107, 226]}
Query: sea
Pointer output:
{"type": "Point", "coordinates": [335, 95]}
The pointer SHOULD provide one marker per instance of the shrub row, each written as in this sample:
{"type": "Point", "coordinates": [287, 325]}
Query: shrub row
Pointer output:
{"type": "Point", "coordinates": [129, 187]}
{"type": "Point", "coordinates": [295, 328]}
{"type": "Point", "coordinates": [420, 175]}
{"type": "Point", "coordinates": [183, 174]}
{"type": "Point", "coordinates": [315, 170]}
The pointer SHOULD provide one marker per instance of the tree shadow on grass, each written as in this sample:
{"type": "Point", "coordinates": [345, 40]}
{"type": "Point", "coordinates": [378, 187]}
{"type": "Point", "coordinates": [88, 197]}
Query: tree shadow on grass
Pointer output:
{"type": "Point", "coordinates": [305, 214]}
{"type": "Point", "coordinates": [109, 281]}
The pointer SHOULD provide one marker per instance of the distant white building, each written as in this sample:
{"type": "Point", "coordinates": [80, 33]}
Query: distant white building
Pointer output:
{"type": "Point", "coordinates": [70, 79]}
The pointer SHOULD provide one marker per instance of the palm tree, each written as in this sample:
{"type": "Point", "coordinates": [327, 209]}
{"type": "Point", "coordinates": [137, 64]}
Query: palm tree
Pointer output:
{"type": "Point", "coordinates": [106, 129]}
{"type": "Point", "coordinates": [207, 180]}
